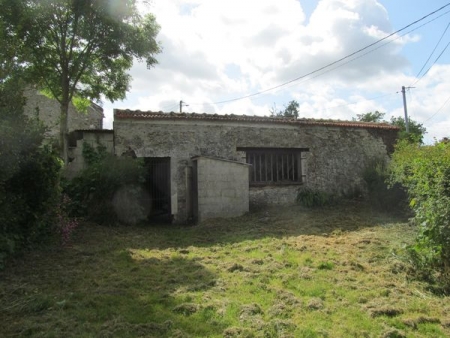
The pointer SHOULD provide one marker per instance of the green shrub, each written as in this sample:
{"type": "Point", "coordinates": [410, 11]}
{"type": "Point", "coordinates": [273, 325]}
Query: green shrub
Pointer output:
{"type": "Point", "coordinates": [314, 198]}
{"type": "Point", "coordinates": [29, 176]}
{"type": "Point", "coordinates": [425, 173]}
{"type": "Point", "coordinates": [380, 194]}
{"type": "Point", "coordinates": [27, 202]}
{"type": "Point", "coordinates": [91, 191]}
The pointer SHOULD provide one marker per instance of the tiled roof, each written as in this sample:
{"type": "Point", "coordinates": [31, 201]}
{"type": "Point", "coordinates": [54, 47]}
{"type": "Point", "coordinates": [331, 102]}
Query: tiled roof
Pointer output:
{"type": "Point", "coordinates": [120, 114]}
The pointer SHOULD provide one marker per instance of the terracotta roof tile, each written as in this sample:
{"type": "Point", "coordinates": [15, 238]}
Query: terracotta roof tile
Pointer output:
{"type": "Point", "coordinates": [120, 114]}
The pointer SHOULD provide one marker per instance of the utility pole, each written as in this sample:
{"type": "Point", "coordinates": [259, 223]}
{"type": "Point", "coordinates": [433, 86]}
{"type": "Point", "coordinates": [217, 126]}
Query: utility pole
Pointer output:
{"type": "Point", "coordinates": [405, 109]}
{"type": "Point", "coordinates": [181, 106]}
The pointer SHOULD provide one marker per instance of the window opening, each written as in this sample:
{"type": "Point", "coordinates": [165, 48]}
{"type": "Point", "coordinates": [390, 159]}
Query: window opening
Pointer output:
{"type": "Point", "coordinates": [275, 165]}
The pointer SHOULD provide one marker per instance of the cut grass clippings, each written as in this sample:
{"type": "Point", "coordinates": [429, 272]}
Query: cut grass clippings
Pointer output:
{"type": "Point", "coordinates": [284, 272]}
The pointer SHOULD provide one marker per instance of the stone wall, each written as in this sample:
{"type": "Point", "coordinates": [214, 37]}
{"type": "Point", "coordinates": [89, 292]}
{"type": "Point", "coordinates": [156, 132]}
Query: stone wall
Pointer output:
{"type": "Point", "coordinates": [221, 188]}
{"type": "Point", "coordinates": [336, 158]}
{"type": "Point", "coordinates": [92, 137]}
{"type": "Point", "coordinates": [48, 111]}
{"type": "Point", "coordinates": [260, 197]}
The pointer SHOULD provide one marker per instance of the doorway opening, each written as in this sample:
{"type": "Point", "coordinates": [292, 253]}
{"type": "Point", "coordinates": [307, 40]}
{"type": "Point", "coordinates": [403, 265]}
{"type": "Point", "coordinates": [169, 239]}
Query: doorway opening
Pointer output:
{"type": "Point", "coordinates": [157, 182]}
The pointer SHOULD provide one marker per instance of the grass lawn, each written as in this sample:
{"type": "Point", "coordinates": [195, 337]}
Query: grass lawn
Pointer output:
{"type": "Point", "coordinates": [281, 272]}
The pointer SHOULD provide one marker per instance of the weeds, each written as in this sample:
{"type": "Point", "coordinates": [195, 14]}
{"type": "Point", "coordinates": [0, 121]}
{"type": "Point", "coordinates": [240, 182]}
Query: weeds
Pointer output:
{"type": "Point", "coordinates": [314, 198]}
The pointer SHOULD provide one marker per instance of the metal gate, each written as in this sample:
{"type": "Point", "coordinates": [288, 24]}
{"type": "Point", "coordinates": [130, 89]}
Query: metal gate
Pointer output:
{"type": "Point", "coordinates": [158, 184]}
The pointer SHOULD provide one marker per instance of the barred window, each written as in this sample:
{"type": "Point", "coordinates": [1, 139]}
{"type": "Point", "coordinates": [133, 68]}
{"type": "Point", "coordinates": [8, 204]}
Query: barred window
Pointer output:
{"type": "Point", "coordinates": [275, 165]}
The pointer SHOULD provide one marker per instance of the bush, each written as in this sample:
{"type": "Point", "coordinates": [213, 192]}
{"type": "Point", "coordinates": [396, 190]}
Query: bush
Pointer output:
{"type": "Point", "coordinates": [28, 198]}
{"type": "Point", "coordinates": [380, 194]}
{"type": "Point", "coordinates": [425, 173]}
{"type": "Point", "coordinates": [29, 176]}
{"type": "Point", "coordinates": [91, 191]}
{"type": "Point", "coordinates": [314, 198]}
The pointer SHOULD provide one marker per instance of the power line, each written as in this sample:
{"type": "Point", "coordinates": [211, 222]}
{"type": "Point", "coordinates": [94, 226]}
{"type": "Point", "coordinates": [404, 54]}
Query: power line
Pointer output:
{"type": "Point", "coordinates": [446, 101]}
{"type": "Point", "coordinates": [372, 50]}
{"type": "Point", "coordinates": [335, 62]}
{"type": "Point", "coordinates": [437, 59]}
{"type": "Point", "coordinates": [171, 107]}
{"type": "Point", "coordinates": [429, 57]}
{"type": "Point", "coordinates": [341, 65]}
{"type": "Point", "coordinates": [368, 52]}
{"type": "Point", "coordinates": [346, 57]}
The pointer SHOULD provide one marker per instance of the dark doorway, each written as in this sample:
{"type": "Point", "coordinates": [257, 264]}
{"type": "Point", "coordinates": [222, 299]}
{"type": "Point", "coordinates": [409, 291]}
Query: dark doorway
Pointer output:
{"type": "Point", "coordinates": [158, 184]}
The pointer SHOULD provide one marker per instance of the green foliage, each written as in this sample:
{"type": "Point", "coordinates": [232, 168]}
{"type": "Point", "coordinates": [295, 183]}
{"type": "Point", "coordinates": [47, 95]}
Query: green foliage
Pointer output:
{"type": "Point", "coordinates": [79, 50]}
{"type": "Point", "coordinates": [370, 117]}
{"type": "Point", "coordinates": [380, 194]}
{"type": "Point", "coordinates": [314, 198]}
{"type": "Point", "coordinates": [425, 173]}
{"type": "Point", "coordinates": [81, 104]}
{"type": "Point", "coordinates": [29, 174]}
{"type": "Point", "coordinates": [291, 110]}
{"type": "Point", "coordinates": [416, 130]}
{"type": "Point", "coordinates": [91, 192]}
{"type": "Point", "coordinates": [93, 155]}
{"type": "Point", "coordinates": [325, 266]}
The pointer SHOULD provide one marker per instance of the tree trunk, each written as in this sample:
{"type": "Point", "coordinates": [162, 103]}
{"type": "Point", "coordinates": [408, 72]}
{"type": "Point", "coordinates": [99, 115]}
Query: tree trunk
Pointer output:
{"type": "Point", "coordinates": [64, 132]}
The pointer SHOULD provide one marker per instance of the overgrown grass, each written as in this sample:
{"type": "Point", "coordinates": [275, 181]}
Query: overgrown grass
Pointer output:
{"type": "Point", "coordinates": [332, 272]}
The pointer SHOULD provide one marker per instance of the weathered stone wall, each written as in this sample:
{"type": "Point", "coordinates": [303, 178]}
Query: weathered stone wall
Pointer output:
{"type": "Point", "coordinates": [48, 111]}
{"type": "Point", "coordinates": [221, 188]}
{"type": "Point", "coordinates": [336, 158]}
{"type": "Point", "coordinates": [261, 197]}
{"type": "Point", "coordinates": [93, 138]}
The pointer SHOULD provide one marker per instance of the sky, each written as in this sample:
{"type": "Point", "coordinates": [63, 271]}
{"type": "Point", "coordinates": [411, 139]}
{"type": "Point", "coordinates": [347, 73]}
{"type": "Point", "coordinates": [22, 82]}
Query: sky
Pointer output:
{"type": "Point", "coordinates": [248, 57]}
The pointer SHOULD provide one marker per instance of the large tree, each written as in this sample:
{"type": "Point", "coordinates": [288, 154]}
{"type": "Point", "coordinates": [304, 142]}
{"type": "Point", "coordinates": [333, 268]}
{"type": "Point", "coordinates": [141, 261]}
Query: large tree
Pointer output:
{"type": "Point", "coordinates": [79, 49]}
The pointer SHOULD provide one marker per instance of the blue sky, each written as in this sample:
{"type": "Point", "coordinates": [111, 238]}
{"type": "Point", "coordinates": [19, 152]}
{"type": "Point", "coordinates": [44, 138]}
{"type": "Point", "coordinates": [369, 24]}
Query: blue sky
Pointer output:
{"type": "Point", "coordinates": [225, 50]}
{"type": "Point", "coordinates": [402, 12]}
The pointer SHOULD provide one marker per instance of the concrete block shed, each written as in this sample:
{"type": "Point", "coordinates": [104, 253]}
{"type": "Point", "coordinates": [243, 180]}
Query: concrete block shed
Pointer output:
{"type": "Point", "coordinates": [220, 188]}
{"type": "Point", "coordinates": [223, 165]}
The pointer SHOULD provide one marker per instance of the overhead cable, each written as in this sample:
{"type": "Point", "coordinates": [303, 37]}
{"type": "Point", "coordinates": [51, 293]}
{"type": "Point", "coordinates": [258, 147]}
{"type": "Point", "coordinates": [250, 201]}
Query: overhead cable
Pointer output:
{"type": "Point", "coordinates": [429, 57]}
{"type": "Point", "coordinates": [334, 62]}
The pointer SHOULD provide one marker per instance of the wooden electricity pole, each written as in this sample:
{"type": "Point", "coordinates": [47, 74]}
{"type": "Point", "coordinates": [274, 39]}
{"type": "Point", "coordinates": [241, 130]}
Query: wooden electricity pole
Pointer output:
{"type": "Point", "coordinates": [405, 109]}
{"type": "Point", "coordinates": [181, 106]}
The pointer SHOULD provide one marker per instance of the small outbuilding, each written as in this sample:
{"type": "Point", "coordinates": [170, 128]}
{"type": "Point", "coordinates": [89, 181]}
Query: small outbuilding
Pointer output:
{"type": "Point", "coordinates": [223, 165]}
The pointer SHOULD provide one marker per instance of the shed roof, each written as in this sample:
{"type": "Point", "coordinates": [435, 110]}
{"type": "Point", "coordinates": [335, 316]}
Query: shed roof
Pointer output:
{"type": "Point", "coordinates": [122, 114]}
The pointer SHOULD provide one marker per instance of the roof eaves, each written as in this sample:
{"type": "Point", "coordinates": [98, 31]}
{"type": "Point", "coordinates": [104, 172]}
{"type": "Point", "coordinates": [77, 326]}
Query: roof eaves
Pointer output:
{"type": "Point", "coordinates": [148, 115]}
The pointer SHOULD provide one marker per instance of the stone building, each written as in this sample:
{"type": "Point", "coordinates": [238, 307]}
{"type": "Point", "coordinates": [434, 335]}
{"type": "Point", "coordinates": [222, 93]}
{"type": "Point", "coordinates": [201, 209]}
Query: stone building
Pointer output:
{"type": "Point", "coordinates": [48, 111]}
{"type": "Point", "coordinates": [221, 165]}
{"type": "Point", "coordinates": [83, 127]}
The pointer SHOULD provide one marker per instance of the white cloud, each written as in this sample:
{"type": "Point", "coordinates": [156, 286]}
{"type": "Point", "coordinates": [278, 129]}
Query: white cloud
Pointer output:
{"type": "Point", "coordinates": [224, 49]}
